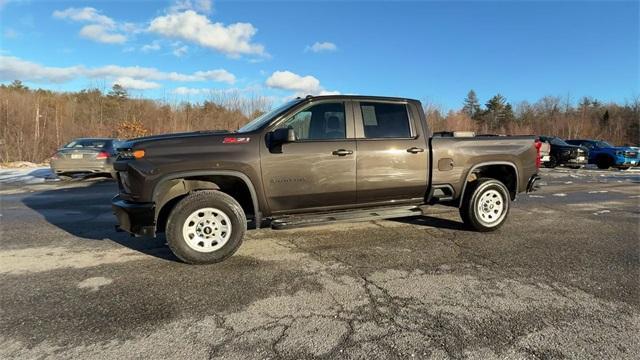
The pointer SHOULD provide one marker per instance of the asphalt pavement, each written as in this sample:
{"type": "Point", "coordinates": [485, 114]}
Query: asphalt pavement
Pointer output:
{"type": "Point", "coordinates": [559, 280]}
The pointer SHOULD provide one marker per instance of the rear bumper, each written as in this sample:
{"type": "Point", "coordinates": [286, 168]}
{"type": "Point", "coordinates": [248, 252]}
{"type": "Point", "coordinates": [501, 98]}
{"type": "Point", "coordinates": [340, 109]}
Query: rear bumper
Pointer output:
{"type": "Point", "coordinates": [70, 166]}
{"type": "Point", "coordinates": [533, 184]}
{"type": "Point", "coordinates": [134, 218]}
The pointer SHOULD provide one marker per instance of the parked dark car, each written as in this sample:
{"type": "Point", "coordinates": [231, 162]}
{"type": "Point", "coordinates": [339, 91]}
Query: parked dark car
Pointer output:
{"type": "Point", "coordinates": [605, 155]}
{"type": "Point", "coordinates": [314, 160]}
{"type": "Point", "coordinates": [85, 156]}
{"type": "Point", "coordinates": [564, 154]}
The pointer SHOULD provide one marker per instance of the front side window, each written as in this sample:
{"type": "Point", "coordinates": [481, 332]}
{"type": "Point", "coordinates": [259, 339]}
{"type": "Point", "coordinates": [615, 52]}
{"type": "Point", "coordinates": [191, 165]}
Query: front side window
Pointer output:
{"type": "Point", "coordinates": [324, 121]}
{"type": "Point", "coordinates": [382, 120]}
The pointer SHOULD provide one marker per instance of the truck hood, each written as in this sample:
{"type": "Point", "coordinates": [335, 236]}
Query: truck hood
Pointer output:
{"type": "Point", "coordinates": [132, 143]}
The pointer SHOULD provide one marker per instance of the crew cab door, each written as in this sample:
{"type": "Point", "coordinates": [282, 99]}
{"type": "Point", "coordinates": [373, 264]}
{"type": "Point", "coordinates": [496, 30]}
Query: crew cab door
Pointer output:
{"type": "Point", "coordinates": [318, 170]}
{"type": "Point", "coordinates": [393, 153]}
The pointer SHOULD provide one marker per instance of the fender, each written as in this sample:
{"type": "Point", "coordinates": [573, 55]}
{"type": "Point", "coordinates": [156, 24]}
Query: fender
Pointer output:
{"type": "Point", "coordinates": [163, 192]}
{"type": "Point", "coordinates": [508, 163]}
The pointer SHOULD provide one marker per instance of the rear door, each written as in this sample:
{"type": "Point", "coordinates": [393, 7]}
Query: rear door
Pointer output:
{"type": "Point", "coordinates": [393, 155]}
{"type": "Point", "coordinates": [318, 170]}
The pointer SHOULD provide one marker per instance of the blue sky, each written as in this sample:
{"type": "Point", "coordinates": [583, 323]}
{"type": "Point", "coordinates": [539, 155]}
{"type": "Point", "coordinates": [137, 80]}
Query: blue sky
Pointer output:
{"type": "Point", "coordinates": [433, 51]}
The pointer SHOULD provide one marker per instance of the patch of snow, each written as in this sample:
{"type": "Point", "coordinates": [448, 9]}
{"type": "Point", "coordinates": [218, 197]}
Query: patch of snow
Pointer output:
{"type": "Point", "coordinates": [600, 212]}
{"type": "Point", "coordinates": [560, 194]}
{"type": "Point", "coordinates": [598, 191]}
{"type": "Point", "coordinates": [26, 175]}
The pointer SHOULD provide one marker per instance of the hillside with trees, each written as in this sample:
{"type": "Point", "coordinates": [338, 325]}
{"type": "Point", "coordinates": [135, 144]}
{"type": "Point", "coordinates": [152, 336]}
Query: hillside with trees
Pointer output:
{"type": "Point", "coordinates": [35, 122]}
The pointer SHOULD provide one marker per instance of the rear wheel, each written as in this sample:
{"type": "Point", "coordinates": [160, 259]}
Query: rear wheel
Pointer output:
{"type": "Point", "coordinates": [206, 227]}
{"type": "Point", "coordinates": [485, 205]}
{"type": "Point", "coordinates": [604, 162]}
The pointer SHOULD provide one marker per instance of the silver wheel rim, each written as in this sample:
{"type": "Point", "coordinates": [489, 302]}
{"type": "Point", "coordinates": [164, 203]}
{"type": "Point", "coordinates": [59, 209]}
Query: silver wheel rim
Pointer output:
{"type": "Point", "coordinates": [206, 230]}
{"type": "Point", "coordinates": [491, 208]}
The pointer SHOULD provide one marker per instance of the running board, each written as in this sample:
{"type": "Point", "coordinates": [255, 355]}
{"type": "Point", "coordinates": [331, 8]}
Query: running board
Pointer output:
{"type": "Point", "coordinates": [345, 216]}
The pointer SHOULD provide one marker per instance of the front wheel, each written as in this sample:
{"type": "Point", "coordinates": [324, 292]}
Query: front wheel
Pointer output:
{"type": "Point", "coordinates": [552, 163]}
{"type": "Point", "coordinates": [604, 162]}
{"type": "Point", "coordinates": [485, 205]}
{"type": "Point", "coordinates": [206, 227]}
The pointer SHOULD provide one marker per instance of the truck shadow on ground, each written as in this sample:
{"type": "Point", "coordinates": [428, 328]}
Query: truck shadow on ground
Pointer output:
{"type": "Point", "coordinates": [435, 222]}
{"type": "Point", "coordinates": [85, 212]}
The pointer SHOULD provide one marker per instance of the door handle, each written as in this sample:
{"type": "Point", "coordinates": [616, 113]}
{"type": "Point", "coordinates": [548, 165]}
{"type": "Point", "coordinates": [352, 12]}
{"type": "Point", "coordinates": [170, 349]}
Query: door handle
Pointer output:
{"type": "Point", "coordinates": [415, 150]}
{"type": "Point", "coordinates": [342, 152]}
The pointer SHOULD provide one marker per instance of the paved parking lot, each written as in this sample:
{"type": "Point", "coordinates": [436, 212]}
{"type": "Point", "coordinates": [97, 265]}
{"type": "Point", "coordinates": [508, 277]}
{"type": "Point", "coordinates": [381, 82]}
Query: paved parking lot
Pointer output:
{"type": "Point", "coordinates": [559, 280]}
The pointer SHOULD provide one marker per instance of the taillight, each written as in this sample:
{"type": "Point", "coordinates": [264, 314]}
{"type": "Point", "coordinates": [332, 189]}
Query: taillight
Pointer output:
{"type": "Point", "coordinates": [102, 155]}
{"type": "Point", "coordinates": [538, 145]}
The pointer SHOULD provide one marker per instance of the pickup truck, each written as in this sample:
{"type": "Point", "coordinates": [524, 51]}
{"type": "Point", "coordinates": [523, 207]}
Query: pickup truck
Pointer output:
{"type": "Point", "coordinates": [605, 155]}
{"type": "Point", "coordinates": [311, 161]}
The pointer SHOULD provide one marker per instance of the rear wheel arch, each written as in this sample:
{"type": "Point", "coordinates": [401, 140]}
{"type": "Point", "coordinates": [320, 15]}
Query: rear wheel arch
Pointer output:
{"type": "Point", "coordinates": [504, 171]}
{"type": "Point", "coordinates": [175, 187]}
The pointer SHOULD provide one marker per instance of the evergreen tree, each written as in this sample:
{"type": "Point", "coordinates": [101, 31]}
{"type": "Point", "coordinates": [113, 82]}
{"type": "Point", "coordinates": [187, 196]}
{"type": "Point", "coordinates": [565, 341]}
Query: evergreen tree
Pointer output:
{"type": "Point", "coordinates": [471, 105]}
{"type": "Point", "coordinates": [118, 92]}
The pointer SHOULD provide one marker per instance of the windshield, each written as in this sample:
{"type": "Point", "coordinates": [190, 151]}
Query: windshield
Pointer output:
{"type": "Point", "coordinates": [263, 119]}
{"type": "Point", "coordinates": [603, 144]}
{"type": "Point", "coordinates": [87, 143]}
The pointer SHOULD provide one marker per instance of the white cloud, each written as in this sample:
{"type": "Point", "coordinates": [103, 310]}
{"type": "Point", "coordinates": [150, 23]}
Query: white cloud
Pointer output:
{"type": "Point", "coordinates": [322, 47]}
{"type": "Point", "coordinates": [12, 68]}
{"type": "Point", "coordinates": [301, 85]}
{"type": "Point", "coordinates": [135, 84]}
{"type": "Point", "coordinates": [101, 34]}
{"type": "Point", "coordinates": [204, 6]}
{"type": "Point", "coordinates": [153, 46]}
{"type": "Point", "coordinates": [189, 91]}
{"type": "Point", "coordinates": [100, 28]}
{"type": "Point", "coordinates": [219, 75]}
{"type": "Point", "coordinates": [87, 14]}
{"type": "Point", "coordinates": [180, 51]}
{"type": "Point", "coordinates": [233, 40]}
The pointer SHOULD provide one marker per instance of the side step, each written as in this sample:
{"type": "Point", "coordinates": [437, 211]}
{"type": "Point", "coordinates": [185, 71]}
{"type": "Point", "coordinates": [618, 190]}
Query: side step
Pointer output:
{"type": "Point", "coordinates": [345, 216]}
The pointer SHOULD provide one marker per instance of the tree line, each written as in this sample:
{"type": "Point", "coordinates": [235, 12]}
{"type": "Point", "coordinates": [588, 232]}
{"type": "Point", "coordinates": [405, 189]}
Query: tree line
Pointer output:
{"type": "Point", "coordinates": [35, 122]}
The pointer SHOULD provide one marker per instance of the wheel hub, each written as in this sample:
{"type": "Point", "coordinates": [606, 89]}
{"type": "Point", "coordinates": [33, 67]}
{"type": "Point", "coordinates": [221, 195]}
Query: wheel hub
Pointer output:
{"type": "Point", "coordinates": [490, 207]}
{"type": "Point", "coordinates": [206, 230]}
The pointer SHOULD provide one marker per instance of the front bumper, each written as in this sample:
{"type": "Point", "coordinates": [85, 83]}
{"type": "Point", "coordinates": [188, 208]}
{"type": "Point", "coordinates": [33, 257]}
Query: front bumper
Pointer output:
{"type": "Point", "coordinates": [534, 183]}
{"type": "Point", "coordinates": [134, 218]}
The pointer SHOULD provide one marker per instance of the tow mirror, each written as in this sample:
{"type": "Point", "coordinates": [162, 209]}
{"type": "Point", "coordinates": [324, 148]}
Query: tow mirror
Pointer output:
{"type": "Point", "coordinates": [283, 135]}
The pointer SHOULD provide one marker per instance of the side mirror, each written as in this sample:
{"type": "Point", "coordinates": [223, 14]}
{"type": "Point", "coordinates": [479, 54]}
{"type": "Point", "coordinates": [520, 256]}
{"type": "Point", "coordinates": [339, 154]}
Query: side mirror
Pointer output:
{"type": "Point", "coordinates": [281, 136]}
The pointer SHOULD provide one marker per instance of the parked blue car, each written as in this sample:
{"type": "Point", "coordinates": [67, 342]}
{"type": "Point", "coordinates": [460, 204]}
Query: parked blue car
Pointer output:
{"type": "Point", "coordinates": [605, 155]}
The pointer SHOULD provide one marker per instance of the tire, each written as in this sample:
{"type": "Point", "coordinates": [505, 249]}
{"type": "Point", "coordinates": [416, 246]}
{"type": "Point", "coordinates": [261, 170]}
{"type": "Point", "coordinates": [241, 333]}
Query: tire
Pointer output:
{"type": "Point", "coordinates": [196, 227]}
{"type": "Point", "coordinates": [485, 205]}
{"type": "Point", "coordinates": [551, 163]}
{"type": "Point", "coordinates": [604, 162]}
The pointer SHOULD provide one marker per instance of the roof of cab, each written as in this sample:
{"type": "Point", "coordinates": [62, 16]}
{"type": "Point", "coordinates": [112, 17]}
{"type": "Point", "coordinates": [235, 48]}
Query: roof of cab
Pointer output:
{"type": "Point", "coordinates": [355, 97]}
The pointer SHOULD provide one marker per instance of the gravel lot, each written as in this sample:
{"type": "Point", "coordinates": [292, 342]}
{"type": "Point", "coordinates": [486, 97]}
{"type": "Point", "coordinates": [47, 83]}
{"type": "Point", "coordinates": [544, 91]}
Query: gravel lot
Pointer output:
{"type": "Point", "coordinates": [559, 280]}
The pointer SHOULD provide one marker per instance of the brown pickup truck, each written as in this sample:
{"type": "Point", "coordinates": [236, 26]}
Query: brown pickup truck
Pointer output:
{"type": "Point", "coordinates": [314, 160]}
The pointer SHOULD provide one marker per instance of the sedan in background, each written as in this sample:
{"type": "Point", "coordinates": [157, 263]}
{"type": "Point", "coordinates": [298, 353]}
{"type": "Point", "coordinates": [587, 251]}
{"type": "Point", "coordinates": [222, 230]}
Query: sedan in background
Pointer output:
{"type": "Point", "coordinates": [605, 155]}
{"type": "Point", "coordinates": [85, 156]}
{"type": "Point", "coordinates": [564, 154]}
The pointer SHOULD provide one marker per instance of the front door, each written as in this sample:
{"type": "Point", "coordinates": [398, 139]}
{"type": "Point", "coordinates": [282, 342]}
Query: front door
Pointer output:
{"type": "Point", "coordinates": [393, 158]}
{"type": "Point", "coordinates": [318, 170]}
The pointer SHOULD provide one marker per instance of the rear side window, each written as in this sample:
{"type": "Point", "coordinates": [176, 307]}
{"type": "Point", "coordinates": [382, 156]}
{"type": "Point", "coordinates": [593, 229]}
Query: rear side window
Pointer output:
{"type": "Point", "coordinates": [385, 120]}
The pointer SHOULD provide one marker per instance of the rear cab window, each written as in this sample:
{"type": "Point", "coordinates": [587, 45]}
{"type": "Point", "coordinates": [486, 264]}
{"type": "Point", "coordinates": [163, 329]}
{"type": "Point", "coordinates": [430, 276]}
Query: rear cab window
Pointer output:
{"type": "Point", "coordinates": [385, 120]}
